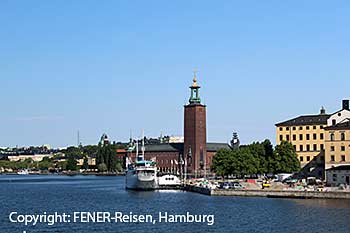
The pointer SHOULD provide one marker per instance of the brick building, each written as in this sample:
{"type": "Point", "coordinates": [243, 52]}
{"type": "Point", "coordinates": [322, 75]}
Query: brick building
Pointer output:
{"type": "Point", "coordinates": [194, 151]}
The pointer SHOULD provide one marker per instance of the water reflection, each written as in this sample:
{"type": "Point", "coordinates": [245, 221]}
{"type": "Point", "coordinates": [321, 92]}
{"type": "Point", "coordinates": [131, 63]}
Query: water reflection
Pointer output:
{"type": "Point", "coordinates": [325, 203]}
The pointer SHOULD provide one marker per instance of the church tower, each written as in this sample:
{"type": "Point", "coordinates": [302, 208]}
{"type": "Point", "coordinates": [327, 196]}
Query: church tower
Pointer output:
{"type": "Point", "coordinates": [195, 133]}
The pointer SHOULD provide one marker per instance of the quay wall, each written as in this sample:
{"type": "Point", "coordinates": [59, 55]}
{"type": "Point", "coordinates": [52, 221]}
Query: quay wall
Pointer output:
{"type": "Point", "coordinates": [271, 193]}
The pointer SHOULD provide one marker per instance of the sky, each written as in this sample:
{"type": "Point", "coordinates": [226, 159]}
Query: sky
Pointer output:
{"type": "Point", "coordinates": [115, 66]}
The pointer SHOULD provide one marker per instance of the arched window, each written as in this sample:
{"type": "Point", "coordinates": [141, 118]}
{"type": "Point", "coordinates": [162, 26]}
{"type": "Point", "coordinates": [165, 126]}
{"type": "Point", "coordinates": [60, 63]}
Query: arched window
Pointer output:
{"type": "Point", "coordinates": [342, 136]}
{"type": "Point", "coordinates": [332, 136]}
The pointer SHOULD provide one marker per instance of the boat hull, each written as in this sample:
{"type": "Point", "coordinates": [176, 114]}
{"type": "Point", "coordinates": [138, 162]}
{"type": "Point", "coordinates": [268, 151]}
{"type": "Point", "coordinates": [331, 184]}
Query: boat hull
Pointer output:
{"type": "Point", "coordinates": [135, 182]}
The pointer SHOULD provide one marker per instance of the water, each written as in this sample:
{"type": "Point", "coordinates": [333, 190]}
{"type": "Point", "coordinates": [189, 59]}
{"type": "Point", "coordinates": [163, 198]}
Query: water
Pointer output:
{"type": "Point", "coordinates": [39, 194]}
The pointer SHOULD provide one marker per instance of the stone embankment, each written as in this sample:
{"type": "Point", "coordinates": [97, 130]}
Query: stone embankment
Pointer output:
{"type": "Point", "coordinates": [270, 193]}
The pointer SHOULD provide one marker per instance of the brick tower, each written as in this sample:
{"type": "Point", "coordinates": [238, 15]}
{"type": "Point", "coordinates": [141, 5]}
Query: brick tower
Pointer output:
{"type": "Point", "coordinates": [195, 133]}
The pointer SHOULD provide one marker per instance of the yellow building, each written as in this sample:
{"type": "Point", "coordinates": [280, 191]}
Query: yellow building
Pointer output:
{"type": "Point", "coordinates": [338, 145]}
{"type": "Point", "coordinates": [306, 134]}
{"type": "Point", "coordinates": [321, 141]}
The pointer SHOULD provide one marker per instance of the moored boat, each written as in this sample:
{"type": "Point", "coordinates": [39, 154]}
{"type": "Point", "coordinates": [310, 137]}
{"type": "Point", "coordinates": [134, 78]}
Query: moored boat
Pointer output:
{"type": "Point", "coordinates": [142, 174]}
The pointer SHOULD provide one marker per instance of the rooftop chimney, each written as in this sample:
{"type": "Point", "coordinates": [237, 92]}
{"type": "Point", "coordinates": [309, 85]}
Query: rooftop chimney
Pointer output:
{"type": "Point", "coordinates": [322, 111]}
{"type": "Point", "coordinates": [345, 104]}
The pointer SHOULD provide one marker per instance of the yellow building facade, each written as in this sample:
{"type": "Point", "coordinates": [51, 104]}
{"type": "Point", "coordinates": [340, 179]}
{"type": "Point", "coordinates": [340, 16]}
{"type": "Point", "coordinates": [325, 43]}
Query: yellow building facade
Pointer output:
{"type": "Point", "coordinates": [306, 134]}
{"type": "Point", "coordinates": [321, 141]}
{"type": "Point", "coordinates": [337, 145]}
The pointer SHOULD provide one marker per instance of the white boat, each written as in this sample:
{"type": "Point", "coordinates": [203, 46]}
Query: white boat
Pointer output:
{"type": "Point", "coordinates": [169, 180]}
{"type": "Point", "coordinates": [23, 172]}
{"type": "Point", "coordinates": [142, 174]}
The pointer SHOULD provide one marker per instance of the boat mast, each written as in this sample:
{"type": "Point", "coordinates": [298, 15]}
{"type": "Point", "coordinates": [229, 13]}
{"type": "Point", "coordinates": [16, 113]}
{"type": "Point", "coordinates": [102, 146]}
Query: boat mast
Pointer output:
{"type": "Point", "coordinates": [143, 145]}
{"type": "Point", "coordinates": [137, 150]}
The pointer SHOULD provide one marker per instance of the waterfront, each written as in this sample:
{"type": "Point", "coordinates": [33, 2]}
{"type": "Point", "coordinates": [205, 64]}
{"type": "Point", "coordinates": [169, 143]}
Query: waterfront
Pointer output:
{"type": "Point", "coordinates": [64, 194]}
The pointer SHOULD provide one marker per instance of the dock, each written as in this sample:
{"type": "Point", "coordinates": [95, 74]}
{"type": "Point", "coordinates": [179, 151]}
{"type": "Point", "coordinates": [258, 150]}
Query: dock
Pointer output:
{"type": "Point", "coordinates": [270, 193]}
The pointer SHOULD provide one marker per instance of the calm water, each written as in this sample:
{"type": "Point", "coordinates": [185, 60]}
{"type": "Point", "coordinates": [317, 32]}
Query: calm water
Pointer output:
{"type": "Point", "coordinates": [39, 194]}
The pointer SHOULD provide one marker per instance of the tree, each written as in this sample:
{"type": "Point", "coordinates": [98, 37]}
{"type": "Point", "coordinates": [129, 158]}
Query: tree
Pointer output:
{"type": "Point", "coordinates": [118, 166]}
{"type": "Point", "coordinates": [86, 164]}
{"type": "Point", "coordinates": [62, 165]}
{"type": "Point", "coordinates": [102, 167]}
{"type": "Point", "coordinates": [256, 158]}
{"type": "Point", "coordinates": [45, 164]}
{"type": "Point", "coordinates": [71, 164]}
{"type": "Point", "coordinates": [285, 158]}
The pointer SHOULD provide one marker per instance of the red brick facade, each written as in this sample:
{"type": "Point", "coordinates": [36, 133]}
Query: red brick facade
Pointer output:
{"type": "Point", "coordinates": [195, 134]}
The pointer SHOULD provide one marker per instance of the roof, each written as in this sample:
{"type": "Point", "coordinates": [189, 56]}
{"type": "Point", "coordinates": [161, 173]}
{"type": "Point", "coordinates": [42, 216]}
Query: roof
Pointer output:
{"type": "Point", "coordinates": [164, 147]}
{"type": "Point", "coordinates": [179, 147]}
{"type": "Point", "coordinates": [214, 146]}
{"type": "Point", "coordinates": [339, 168]}
{"type": "Point", "coordinates": [339, 126]}
{"type": "Point", "coordinates": [320, 119]}
{"type": "Point", "coordinates": [120, 150]}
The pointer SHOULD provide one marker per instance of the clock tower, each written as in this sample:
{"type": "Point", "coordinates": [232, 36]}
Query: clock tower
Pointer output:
{"type": "Point", "coordinates": [195, 133]}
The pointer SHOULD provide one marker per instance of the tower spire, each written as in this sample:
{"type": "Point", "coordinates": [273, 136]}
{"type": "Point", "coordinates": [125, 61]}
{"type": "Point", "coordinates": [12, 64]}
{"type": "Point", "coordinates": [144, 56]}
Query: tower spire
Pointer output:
{"type": "Point", "coordinates": [195, 99]}
{"type": "Point", "coordinates": [195, 78]}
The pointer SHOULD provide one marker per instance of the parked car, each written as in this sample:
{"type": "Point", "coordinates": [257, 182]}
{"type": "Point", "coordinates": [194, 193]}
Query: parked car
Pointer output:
{"type": "Point", "coordinates": [237, 185]}
{"type": "Point", "coordinates": [225, 185]}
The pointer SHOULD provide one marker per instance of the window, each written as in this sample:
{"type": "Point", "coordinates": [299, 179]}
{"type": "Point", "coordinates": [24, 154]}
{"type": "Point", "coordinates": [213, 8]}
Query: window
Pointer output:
{"type": "Point", "coordinates": [300, 137]}
{"type": "Point", "coordinates": [321, 127]}
{"type": "Point", "coordinates": [321, 136]}
{"type": "Point", "coordinates": [334, 177]}
{"type": "Point", "coordinates": [307, 127]}
{"type": "Point", "coordinates": [332, 158]}
{"type": "Point", "coordinates": [315, 147]}
{"type": "Point", "coordinates": [295, 147]}
{"type": "Point", "coordinates": [281, 129]}
{"type": "Point", "coordinates": [314, 136]}
{"type": "Point", "coordinates": [314, 127]}
{"type": "Point", "coordinates": [294, 137]}
{"type": "Point", "coordinates": [332, 148]}
{"type": "Point", "coordinates": [332, 136]}
{"type": "Point", "coordinates": [301, 158]}
{"type": "Point", "coordinates": [287, 128]}
{"type": "Point", "coordinates": [287, 137]}
{"type": "Point", "coordinates": [307, 136]}
{"type": "Point", "coordinates": [301, 148]}
{"type": "Point", "coordinates": [342, 148]}
{"type": "Point", "coordinates": [322, 147]}
{"type": "Point", "coordinates": [308, 147]}
{"type": "Point", "coordinates": [301, 128]}
{"type": "Point", "coordinates": [343, 158]}
{"type": "Point", "coordinates": [281, 137]}
{"type": "Point", "coordinates": [334, 122]}
{"type": "Point", "coordinates": [342, 136]}
{"type": "Point", "coordinates": [307, 158]}
{"type": "Point", "coordinates": [294, 128]}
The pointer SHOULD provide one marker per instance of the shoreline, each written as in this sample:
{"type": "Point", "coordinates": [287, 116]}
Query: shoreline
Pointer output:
{"type": "Point", "coordinates": [271, 193]}
{"type": "Point", "coordinates": [66, 174]}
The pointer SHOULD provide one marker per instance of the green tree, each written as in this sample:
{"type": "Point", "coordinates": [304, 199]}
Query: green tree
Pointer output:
{"type": "Point", "coordinates": [62, 165]}
{"type": "Point", "coordinates": [222, 162]}
{"type": "Point", "coordinates": [119, 166]}
{"type": "Point", "coordinates": [71, 164]}
{"type": "Point", "coordinates": [102, 167]}
{"type": "Point", "coordinates": [86, 164]}
{"type": "Point", "coordinates": [285, 158]}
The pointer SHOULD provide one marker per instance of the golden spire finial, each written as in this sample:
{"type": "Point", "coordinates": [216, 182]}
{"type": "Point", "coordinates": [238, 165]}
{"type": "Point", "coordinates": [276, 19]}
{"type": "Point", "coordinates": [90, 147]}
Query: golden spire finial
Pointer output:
{"type": "Point", "coordinates": [194, 78]}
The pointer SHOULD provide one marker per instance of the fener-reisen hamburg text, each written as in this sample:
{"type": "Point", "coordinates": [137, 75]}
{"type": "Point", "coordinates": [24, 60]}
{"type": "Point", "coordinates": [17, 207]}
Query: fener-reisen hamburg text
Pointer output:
{"type": "Point", "coordinates": [163, 217]}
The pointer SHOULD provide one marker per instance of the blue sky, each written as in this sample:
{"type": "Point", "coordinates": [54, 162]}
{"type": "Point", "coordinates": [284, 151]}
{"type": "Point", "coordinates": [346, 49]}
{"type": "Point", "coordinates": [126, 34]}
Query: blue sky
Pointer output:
{"type": "Point", "coordinates": [112, 66]}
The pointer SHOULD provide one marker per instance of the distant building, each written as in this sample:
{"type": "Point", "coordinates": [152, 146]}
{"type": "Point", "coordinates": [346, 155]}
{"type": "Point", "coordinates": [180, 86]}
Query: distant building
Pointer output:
{"type": "Point", "coordinates": [338, 175]}
{"type": "Point", "coordinates": [104, 140]}
{"type": "Point", "coordinates": [35, 158]}
{"type": "Point", "coordinates": [235, 141]}
{"type": "Point", "coordinates": [172, 153]}
{"type": "Point", "coordinates": [337, 145]}
{"type": "Point", "coordinates": [319, 140]}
